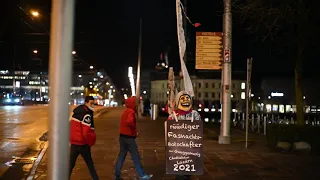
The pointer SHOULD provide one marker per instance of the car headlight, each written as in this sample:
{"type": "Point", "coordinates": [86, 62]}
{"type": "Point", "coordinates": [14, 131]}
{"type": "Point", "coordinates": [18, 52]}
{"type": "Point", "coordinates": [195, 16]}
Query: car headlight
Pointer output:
{"type": "Point", "coordinates": [8, 100]}
{"type": "Point", "coordinates": [17, 100]}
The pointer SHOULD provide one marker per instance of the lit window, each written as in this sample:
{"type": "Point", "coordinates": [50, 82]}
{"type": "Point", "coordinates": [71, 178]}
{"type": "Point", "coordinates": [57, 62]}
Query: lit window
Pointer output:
{"type": "Point", "coordinates": [243, 85]}
{"type": "Point", "coordinates": [243, 95]}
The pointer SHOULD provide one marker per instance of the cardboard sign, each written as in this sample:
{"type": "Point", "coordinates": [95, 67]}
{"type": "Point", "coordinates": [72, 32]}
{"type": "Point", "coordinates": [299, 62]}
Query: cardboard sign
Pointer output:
{"type": "Point", "coordinates": [184, 147]}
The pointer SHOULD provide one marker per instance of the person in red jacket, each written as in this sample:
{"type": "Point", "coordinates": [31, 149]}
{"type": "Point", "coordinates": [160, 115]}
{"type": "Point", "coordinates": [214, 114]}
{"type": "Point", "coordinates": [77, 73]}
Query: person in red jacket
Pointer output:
{"type": "Point", "coordinates": [82, 135]}
{"type": "Point", "coordinates": [127, 139]}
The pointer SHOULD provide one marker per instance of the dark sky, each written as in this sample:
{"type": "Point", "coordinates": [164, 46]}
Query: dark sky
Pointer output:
{"type": "Point", "coordinates": [107, 33]}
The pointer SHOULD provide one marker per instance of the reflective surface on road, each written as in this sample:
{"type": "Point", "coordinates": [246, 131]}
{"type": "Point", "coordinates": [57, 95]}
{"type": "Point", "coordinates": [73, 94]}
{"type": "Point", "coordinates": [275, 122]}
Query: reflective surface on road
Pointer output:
{"type": "Point", "coordinates": [20, 128]}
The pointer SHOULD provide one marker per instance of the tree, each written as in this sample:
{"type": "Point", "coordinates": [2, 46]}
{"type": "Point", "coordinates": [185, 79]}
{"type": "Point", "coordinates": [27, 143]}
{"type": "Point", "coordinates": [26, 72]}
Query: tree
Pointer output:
{"type": "Point", "coordinates": [285, 24]}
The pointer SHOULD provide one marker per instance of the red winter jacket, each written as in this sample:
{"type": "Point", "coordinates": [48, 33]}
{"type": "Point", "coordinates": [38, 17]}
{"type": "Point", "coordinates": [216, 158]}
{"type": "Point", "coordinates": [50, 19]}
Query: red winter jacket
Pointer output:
{"type": "Point", "coordinates": [128, 126]}
{"type": "Point", "coordinates": [82, 127]}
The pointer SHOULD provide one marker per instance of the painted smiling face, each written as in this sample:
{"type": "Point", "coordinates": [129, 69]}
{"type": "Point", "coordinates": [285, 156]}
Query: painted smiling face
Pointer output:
{"type": "Point", "coordinates": [185, 102]}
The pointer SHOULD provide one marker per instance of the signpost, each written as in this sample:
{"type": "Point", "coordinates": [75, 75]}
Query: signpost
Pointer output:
{"type": "Point", "coordinates": [184, 147]}
{"type": "Point", "coordinates": [208, 50]}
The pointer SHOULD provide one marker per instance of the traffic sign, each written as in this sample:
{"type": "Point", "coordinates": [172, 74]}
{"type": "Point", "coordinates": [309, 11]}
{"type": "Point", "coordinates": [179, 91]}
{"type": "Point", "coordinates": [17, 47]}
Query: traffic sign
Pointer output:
{"type": "Point", "coordinates": [209, 50]}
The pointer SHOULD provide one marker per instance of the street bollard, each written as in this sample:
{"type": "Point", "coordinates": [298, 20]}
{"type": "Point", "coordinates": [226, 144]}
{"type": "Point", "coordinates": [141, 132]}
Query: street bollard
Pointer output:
{"type": "Point", "coordinates": [252, 123]}
{"type": "Point", "coordinates": [243, 119]}
{"type": "Point", "coordinates": [265, 125]}
{"type": "Point", "coordinates": [154, 114]}
{"type": "Point", "coordinates": [258, 122]}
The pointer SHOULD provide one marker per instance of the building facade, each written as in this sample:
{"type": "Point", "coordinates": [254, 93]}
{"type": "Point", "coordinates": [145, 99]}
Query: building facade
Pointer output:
{"type": "Point", "coordinates": [207, 92]}
{"type": "Point", "coordinates": [34, 86]}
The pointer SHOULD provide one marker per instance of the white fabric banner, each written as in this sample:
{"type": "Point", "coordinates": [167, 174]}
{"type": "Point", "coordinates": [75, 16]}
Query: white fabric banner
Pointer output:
{"type": "Point", "coordinates": [182, 49]}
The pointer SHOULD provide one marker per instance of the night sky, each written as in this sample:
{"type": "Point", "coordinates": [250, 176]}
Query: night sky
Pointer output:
{"type": "Point", "coordinates": [107, 33]}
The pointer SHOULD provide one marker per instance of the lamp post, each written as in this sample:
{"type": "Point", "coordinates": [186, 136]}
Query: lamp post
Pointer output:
{"type": "Point", "coordinates": [61, 42]}
{"type": "Point", "coordinates": [224, 137]}
{"type": "Point", "coordinates": [139, 67]}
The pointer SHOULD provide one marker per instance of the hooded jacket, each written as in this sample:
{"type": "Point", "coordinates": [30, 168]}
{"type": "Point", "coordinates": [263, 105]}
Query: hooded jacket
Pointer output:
{"type": "Point", "coordinates": [82, 127]}
{"type": "Point", "coordinates": [128, 127]}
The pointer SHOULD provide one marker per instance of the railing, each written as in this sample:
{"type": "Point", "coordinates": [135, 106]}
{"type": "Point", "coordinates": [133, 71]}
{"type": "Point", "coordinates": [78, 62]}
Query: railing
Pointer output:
{"type": "Point", "coordinates": [258, 122]}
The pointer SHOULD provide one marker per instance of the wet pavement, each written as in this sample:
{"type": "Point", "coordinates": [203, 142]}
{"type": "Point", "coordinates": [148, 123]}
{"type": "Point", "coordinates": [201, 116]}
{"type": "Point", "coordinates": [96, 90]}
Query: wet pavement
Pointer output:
{"type": "Point", "coordinates": [21, 127]}
{"type": "Point", "coordinates": [222, 162]}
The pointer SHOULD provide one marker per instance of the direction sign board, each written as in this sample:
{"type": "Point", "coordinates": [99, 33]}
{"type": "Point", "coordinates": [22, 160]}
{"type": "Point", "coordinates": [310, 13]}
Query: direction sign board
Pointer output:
{"type": "Point", "coordinates": [208, 50]}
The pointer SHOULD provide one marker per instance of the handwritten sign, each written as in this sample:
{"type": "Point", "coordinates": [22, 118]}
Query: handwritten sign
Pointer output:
{"type": "Point", "coordinates": [184, 147]}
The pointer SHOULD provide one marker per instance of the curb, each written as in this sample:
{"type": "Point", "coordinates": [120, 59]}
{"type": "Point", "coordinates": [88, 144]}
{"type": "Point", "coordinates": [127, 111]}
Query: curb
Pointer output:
{"type": "Point", "coordinates": [37, 162]}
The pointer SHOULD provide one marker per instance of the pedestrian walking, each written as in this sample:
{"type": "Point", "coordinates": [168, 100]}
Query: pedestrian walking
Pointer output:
{"type": "Point", "coordinates": [82, 135]}
{"type": "Point", "coordinates": [127, 140]}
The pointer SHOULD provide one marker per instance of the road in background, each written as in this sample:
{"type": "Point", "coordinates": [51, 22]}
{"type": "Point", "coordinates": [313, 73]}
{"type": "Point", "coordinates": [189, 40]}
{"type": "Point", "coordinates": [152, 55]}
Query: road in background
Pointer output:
{"type": "Point", "coordinates": [20, 129]}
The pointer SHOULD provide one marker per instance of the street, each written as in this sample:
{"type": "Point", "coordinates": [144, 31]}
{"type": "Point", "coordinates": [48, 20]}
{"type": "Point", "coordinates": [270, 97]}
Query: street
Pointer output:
{"type": "Point", "coordinates": [21, 126]}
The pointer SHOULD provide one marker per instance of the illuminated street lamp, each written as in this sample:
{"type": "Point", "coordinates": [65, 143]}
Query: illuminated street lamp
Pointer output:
{"type": "Point", "coordinates": [35, 13]}
{"type": "Point", "coordinates": [35, 51]}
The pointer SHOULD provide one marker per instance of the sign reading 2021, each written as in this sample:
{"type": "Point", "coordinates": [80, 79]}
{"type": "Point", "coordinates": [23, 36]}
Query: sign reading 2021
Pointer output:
{"type": "Point", "coordinates": [184, 147]}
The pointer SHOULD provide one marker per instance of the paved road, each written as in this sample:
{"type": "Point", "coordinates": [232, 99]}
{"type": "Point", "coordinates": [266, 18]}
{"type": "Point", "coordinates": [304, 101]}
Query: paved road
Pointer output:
{"type": "Point", "coordinates": [223, 162]}
{"type": "Point", "coordinates": [21, 127]}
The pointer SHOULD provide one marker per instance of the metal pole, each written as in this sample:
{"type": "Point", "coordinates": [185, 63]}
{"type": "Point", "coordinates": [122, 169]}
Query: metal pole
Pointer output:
{"type": "Point", "coordinates": [138, 68]}
{"type": "Point", "coordinates": [61, 43]}
{"type": "Point", "coordinates": [224, 137]}
{"type": "Point", "coordinates": [248, 87]}
{"type": "Point", "coordinates": [13, 69]}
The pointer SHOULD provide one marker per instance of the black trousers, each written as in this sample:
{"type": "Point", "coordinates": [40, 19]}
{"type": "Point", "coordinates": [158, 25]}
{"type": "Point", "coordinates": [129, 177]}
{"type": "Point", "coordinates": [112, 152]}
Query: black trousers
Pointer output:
{"type": "Point", "coordinates": [85, 152]}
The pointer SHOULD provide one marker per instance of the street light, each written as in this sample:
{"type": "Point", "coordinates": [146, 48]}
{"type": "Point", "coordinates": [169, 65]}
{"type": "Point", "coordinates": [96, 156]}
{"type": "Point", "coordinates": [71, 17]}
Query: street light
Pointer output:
{"type": "Point", "coordinates": [35, 13]}
{"type": "Point", "coordinates": [91, 67]}
{"type": "Point", "coordinates": [35, 51]}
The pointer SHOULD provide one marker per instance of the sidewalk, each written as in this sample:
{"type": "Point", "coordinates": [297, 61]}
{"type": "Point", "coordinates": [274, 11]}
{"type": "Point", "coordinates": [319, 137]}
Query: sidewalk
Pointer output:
{"type": "Point", "coordinates": [229, 162]}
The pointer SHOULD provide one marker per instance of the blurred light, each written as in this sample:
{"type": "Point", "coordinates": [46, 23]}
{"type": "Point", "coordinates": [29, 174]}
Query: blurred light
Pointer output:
{"type": "Point", "coordinates": [101, 76]}
{"type": "Point", "coordinates": [200, 105]}
{"type": "Point", "coordinates": [111, 87]}
{"type": "Point", "coordinates": [90, 86]}
{"type": "Point", "coordinates": [35, 51]}
{"type": "Point", "coordinates": [125, 96]}
{"type": "Point", "coordinates": [199, 109]}
{"type": "Point", "coordinates": [8, 100]}
{"type": "Point", "coordinates": [304, 97]}
{"type": "Point", "coordinates": [35, 13]}
{"type": "Point", "coordinates": [114, 90]}
{"type": "Point", "coordinates": [252, 95]}
{"type": "Point", "coordinates": [80, 75]}
{"type": "Point", "coordinates": [206, 109]}
{"type": "Point", "coordinates": [18, 84]}
{"type": "Point", "coordinates": [17, 100]}
{"type": "Point", "coordinates": [90, 82]}
{"type": "Point", "coordinates": [131, 79]}
{"type": "Point", "coordinates": [163, 64]}
{"type": "Point", "coordinates": [206, 119]}
{"type": "Point", "coordinates": [107, 83]}
{"type": "Point", "coordinates": [277, 94]}
{"type": "Point", "coordinates": [74, 52]}
{"type": "Point", "coordinates": [231, 96]}
{"type": "Point", "coordinates": [81, 94]}
{"type": "Point", "coordinates": [166, 66]}
{"type": "Point", "coordinates": [91, 67]}
{"type": "Point", "coordinates": [144, 92]}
